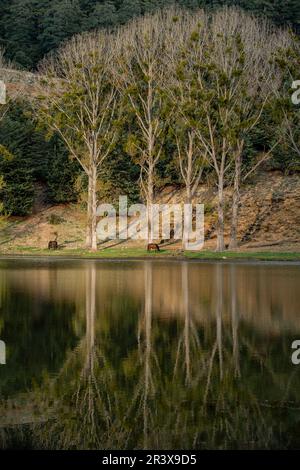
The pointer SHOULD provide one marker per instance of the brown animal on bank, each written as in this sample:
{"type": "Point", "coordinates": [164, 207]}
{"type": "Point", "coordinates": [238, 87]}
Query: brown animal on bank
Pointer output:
{"type": "Point", "coordinates": [53, 245]}
{"type": "Point", "coordinates": [153, 247]}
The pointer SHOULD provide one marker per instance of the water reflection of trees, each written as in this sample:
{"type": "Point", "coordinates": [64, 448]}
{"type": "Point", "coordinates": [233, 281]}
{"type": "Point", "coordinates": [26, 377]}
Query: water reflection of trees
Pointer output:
{"type": "Point", "coordinates": [81, 396]}
{"type": "Point", "coordinates": [179, 385]}
{"type": "Point", "coordinates": [188, 342]}
{"type": "Point", "coordinates": [37, 334]}
{"type": "Point", "coordinates": [139, 419]}
{"type": "Point", "coordinates": [268, 295]}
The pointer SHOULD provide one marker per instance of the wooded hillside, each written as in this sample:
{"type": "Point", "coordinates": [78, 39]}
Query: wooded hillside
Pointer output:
{"type": "Point", "coordinates": [29, 29]}
{"type": "Point", "coordinates": [168, 98]}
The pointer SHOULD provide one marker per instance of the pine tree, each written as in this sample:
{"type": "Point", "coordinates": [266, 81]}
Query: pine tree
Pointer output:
{"type": "Point", "coordinates": [61, 173]}
{"type": "Point", "coordinates": [61, 21]}
{"type": "Point", "coordinates": [103, 15]}
{"type": "Point", "coordinates": [27, 158]}
{"type": "Point", "coordinates": [31, 28]}
{"type": "Point", "coordinates": [21, 29]}
{"type": "Point", "coordinates": [128, 9]}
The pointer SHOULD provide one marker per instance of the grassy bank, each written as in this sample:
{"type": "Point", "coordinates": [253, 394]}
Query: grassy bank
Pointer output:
{"type": "Point", "coordinates": [139, 253]}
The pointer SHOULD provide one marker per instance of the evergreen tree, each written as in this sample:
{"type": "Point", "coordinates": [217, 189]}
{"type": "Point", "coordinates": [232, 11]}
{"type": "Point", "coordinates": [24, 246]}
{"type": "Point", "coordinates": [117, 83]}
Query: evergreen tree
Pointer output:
{"type": "Point", "coordinates": [103, 15]}
{"type": "Point", "coordinates": [148, 6]}
{"type": "Point", "coordinates": [20, 30]}
{"type": "Point", "coordinates": [61, 173]}
{"type": "Point", "coordinates": [278, 11]}
{"type": "Point", "coordinates": [16, 163]}
{"type": "Point", "coordinates": [128, 9]}
{"type": "Point", "coordinates": [31, 28]}
{"type": "Point", "coordinates": [26, 157]}
{"type": "Point", "coordinates": [61, 21]}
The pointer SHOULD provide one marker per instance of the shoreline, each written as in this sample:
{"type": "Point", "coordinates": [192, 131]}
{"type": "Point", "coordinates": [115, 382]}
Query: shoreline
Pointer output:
{"type": "Point", "coordinates": [142, 255]}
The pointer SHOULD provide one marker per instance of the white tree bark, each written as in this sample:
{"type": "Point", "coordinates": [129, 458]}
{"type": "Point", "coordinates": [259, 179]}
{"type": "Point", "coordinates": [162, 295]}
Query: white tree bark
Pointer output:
{"type": "Point", "coordinates": [79, 104]}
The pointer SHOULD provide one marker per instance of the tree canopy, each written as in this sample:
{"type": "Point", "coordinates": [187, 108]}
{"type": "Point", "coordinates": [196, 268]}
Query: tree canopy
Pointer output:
{"type": "Point", "coordinates": [31, 28]}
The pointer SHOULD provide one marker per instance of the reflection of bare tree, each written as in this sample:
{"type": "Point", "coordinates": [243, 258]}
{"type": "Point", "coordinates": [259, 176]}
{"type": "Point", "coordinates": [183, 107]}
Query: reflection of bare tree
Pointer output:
{"type": "Point", "coordinates": [148, 379]}
{"type": "Point", "coordinates": [234, 320]}
{"type": "Point", "coordinates": [146, 353]}
{"type": "Point", "coordinates": [181, 385]}
{"type": "Point", "coordinates": [141, 405]}
{"type": "Point", "coordinates": [81, 416]}
{"type": "Point", "coordinates": [88, 392]}
{"type": "Point", "coordinates": [198, 364]}
{"type": "Point", "coordinates": [189, 340]}
{"type": "Point", "coordinates": [265, 289]}
{"type": "Point", "coordinates": [90, 317]}
{"type": "Point", "coordinates": [218, 309]}
{"type": "Point", "coordinates": [231, 408]}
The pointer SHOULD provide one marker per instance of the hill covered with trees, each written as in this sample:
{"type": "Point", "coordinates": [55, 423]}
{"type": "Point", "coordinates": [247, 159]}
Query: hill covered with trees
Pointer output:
{"type": "Point", "coordinates": [167, 98]}
{"type": "Point", "coordinates": [29, 29]}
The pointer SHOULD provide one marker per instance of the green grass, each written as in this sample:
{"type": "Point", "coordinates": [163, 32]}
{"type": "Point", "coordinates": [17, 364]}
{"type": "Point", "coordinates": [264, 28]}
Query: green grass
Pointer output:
{"type": "Point", "coordinates": [123, 253]}
{"type": "Point", "coordinates": [264, 256]}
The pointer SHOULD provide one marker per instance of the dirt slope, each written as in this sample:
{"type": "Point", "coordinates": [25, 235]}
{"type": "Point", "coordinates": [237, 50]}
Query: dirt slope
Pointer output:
{"type": "Point", "coordinates": [269, 218]}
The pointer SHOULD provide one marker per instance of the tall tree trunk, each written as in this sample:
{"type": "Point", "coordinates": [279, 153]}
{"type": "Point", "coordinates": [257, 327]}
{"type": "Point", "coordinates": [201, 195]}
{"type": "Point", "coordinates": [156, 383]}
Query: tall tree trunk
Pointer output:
{"type": "Point", "coordinates": [150, 197]}
{"type": "Point", "coordinates": [88, 241]}
{"type": "Point", "coordinates": [187, 220]}
{"type": "Point", "coordinates": [220, 228]}
{"type": "Point", "coordinates": [235, 201]}
{"type": "Point", "coordinates": [94, 209]}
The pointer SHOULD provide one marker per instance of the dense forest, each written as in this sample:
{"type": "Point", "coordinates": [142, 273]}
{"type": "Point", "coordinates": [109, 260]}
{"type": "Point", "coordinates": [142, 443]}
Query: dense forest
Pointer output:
{"type": "Point", "coordinates": [36, 151]}
{"type": "Point", "coordinates": [29, 29]}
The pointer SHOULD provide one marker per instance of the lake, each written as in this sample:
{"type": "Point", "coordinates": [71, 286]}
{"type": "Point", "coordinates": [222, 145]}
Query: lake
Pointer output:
{"type": "Point", "coordinates": [149, 355]}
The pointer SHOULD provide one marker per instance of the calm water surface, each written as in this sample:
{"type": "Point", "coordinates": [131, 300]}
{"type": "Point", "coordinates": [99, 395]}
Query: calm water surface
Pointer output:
{"type": "Point", "coordinates": [149, 355]}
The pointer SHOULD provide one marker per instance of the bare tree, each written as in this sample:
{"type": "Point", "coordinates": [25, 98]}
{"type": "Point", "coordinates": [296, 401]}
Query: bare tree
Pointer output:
{"type": "Point", "coordinates": [199, 67]}
{"type": "Point", "coordinates": [257, 80]}
{"type": "Point", "coordinates": [141, 71]}
{"type": "Point", "coordinates": [78, 101]}
{"type": "Point", "coordinates": [191, 164]}
{"type": "Point", "coordinates": [287, 110]}
{"type": "Point", "coordinates": [190, 155]}
{"type": "Point", "coordinates": [222, 71]}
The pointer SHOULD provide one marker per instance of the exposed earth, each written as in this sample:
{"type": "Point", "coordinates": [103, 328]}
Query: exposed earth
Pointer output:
{"type": "Point", "coordinates": [269, 219]}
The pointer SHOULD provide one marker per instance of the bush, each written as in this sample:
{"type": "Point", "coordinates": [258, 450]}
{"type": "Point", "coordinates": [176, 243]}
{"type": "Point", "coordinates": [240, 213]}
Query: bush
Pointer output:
{"type": "Point", "coordinates": [55, 219]}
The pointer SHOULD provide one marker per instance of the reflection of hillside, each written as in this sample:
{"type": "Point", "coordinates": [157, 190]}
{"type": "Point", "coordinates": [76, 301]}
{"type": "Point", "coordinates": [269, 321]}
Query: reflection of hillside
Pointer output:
{"type": "Point", "coordinates": [267, 296]}
{"type": "Point", "coordinates": [136, 380]}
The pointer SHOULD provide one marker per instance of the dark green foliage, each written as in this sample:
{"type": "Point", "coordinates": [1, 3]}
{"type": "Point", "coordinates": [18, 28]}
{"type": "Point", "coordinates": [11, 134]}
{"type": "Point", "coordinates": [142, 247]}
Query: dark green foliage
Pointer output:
{"type": "Point", "coordinates": [31, 28]}
{"type": "Point", "coordinates": [279, 11]}
{"type": "Point", "coordinates": [18, 193]}
{"type": "Point", "coordinates": [19, 31]}
{"type": "Point", "coordinates": [118, 178]}
{"type": "Point", "coordinates": [129, 9]}
{"type": "Point", "coordinates": [102, 15]}
{"type": "Point", "coordinates": [30, 158]}
{"type": "Point", "coordinates": [17, 167]}
{"type": "Point", "coordinates": [61, 173]}
{"type": "Point", "coordinates": [60, 21]}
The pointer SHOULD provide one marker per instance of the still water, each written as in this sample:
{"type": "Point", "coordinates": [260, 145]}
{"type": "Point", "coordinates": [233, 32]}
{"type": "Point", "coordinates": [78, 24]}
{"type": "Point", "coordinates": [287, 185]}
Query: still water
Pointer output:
{"type": "Point", "coordinates": [152, 354]}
